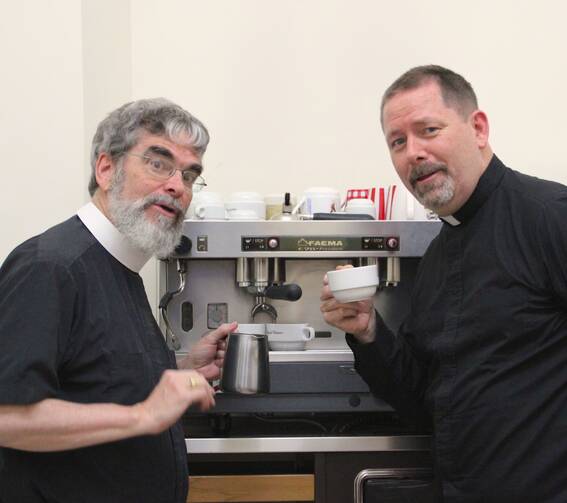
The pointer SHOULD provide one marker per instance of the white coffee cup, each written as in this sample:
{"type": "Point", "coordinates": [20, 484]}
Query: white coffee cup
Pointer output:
{"type": "Point", "coordinates": [361, 206]}
{"type": "Point", "coordinates": [251, 201]}
{"type": "Point", "coordinates": [354, 283]}
{"type": "Point", "coordinates": [210, 211]}
{"type": "Point", "coordinates": [422, 213]}
{"type": "Point", "coordinates": [206, 206]}
{"type": "Point", "coordinates": [288, 336]}
{"type": "Point", "coordinates": [245, 214]}
{"type": "Point", "coordinates": [319, 200]}
{"type": "Point", "coordinates": [403, 204]}
{"type": "Point", "coordinates": [252, 328]}
{"type": "Point", "coordinates": [407, 207]}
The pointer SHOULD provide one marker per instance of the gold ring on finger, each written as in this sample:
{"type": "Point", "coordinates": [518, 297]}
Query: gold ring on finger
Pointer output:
{"type": "Point", "coordinates": [193, 382]}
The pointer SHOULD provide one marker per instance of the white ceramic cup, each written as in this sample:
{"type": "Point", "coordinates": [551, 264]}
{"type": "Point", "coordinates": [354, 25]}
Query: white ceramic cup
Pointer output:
{"type": "Point", "coordinates": [288, 336]}
{"type": "Point", "coordinates": [210, 211]}
{"type": "Point", "coordinates": [402, 207]}
{"type": "Point", "coordinates": [206, 199]}
{"type": "Point", "coordinates": [252, 328]}
{"type": "Point", "coordinates": [320, 200]}
{"type": "Point", "coordinates": [407, 207]}
{"type": "Point", "coordinates": [361, 206]}
{"type": "Point", "coordinates": [238, 214]}
{"type": "Point", "coordinates": [354, 283]}
{"type": "Point", "coordinates": [420, 211]}
{"type": "Point", "coordinates": [251, 201]}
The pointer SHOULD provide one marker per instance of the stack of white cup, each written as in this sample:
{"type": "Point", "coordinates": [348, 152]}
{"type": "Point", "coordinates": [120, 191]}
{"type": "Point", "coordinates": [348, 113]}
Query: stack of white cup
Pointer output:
{"type": "Point", "coordinates": [319, 200]}
{"type": "Point", "coordinates": [361, 207]}
{"type": "Point", "coordinates": [206, 206]}
{"type": "Point", "coordinates": [245, 206]}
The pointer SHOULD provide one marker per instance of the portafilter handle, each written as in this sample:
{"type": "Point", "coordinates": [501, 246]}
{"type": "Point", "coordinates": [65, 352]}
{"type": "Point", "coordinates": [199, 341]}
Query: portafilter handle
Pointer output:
{"type": "Point", "coordinates": [262, 307]}
{"type": "Point", "coordinates": [289, 291]}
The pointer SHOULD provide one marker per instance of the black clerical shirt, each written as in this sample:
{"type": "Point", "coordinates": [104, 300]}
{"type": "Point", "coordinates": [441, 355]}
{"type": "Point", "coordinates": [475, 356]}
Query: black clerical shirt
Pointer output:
{"type": "Point", "coordinates": [75, 325]}
{"type": "Point", "coordinates": [482, 356]}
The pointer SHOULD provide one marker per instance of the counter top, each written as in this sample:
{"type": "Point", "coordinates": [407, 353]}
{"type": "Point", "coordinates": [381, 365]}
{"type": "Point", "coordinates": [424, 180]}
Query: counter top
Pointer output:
{"type": "Point", "coordinates": [308, 444]}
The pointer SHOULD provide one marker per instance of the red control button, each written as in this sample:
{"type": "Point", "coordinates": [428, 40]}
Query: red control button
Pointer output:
{"type": "Point", "coordinates": [392, 243]}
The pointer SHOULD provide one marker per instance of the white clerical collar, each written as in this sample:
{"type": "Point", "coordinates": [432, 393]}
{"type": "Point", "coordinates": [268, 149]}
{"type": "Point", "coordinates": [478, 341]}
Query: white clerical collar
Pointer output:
{"type": "Point", "coordinates": [113, 241]}
{"type": "Point", "coordinates": [451, 220]}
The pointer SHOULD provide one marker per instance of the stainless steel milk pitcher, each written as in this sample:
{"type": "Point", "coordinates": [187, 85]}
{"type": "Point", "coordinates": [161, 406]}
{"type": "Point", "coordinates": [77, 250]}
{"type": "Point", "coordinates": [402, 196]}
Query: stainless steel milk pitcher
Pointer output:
{"type": "Point", "coordinates": [246, 366]}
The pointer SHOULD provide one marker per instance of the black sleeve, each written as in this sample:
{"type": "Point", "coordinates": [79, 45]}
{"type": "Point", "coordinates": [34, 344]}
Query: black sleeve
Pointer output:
{"type": "Point", "coordinates": [393, 373]}
{"type": "Point", "coordinates": [551, 234]}
{"type": "Point", "coordinates": [36, 309]}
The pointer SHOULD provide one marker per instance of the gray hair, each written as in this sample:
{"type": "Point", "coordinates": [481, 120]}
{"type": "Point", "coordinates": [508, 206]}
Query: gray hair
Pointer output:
{"type": "Point", "coordinates": [121, 130]}
{"type": "Point", "coordinates": [457, 92]}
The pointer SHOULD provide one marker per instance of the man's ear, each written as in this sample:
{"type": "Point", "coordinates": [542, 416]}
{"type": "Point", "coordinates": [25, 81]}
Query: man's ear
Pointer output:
{"type": "Point", "coordinates": [481, 128]}
{"type": "Point", "coordinates": [104, 170]}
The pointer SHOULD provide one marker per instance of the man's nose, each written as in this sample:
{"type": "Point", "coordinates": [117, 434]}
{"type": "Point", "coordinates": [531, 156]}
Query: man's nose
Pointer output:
{"type": "Point", "coordinates": [174, 184]}
{"type": "Point", "coordinates": [415, 149]}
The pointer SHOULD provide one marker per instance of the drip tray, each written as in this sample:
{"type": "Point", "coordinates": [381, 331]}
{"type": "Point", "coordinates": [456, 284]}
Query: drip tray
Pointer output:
{"type": "Point", "coordinates": [294, 425]}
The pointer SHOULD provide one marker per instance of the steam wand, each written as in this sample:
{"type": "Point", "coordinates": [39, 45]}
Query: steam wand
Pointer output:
{"type": "Point", "coordinates": [170, 338]}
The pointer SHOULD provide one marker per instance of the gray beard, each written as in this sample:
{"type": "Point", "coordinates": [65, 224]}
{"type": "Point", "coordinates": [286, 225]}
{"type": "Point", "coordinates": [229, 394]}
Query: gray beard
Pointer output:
{"type": "Point", "coordinates": [438, 197]}
{"type": "Point", "coordinates": [433, 197]}
{"type": "Point", "coordinates": [157, 238]}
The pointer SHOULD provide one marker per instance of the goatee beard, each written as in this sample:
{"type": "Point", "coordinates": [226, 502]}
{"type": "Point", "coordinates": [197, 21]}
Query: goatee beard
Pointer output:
{"type": "Point", "coordinates": [157, 238]}
{"type": "Point", "coordinates": [434, 195]}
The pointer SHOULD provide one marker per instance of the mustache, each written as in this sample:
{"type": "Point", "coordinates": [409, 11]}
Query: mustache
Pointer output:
{"type": "Point", "coordinates": [425, 169]}
{"type": "Point", "coordinates": [162, 199]}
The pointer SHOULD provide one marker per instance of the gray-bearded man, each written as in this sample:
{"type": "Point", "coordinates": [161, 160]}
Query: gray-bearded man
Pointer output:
{"type": "Point", "coordinates": [90, 397]}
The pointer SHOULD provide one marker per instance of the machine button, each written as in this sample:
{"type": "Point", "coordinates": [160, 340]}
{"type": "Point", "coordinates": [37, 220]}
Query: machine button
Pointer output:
{"type": "Point", "coordinates": [392, 243]}
{"type": "Point", "coordinates": [184, 246]}
{"type": "Point", "coordinates": [217, 314]}
{"type": "Point", "coordinates": [202, 243]}
{"type": "Point", "coordinates": [354, 400]}
{"type": "Point", "coordinates": [273, 243]}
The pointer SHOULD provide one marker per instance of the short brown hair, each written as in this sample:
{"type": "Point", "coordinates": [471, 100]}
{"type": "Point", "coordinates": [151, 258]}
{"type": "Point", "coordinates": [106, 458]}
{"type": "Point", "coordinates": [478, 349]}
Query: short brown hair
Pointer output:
{"type": "Point", "coordinates": [456, 91]}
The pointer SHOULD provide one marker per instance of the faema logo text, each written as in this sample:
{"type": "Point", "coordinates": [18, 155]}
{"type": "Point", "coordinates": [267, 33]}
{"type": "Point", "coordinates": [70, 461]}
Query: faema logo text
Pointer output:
{"type": "Point", "coordinates": [319, 244]}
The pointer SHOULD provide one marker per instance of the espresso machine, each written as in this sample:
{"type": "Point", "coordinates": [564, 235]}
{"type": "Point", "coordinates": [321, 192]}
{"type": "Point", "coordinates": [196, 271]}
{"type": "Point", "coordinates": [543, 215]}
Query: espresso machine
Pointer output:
{"type": "Point", "coordinates": [319, 419]}
{"type": "Point", "coordinates": [272, 271]}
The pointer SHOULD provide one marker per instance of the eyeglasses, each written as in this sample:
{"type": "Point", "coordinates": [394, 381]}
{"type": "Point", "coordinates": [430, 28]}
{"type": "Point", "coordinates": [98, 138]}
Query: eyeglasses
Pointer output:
{"type": "Point", "coordinates": [162, 169]}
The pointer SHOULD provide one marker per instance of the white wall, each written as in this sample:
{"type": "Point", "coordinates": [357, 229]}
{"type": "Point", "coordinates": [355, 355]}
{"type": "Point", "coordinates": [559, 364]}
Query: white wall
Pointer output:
{"type": "Point", "coordinates": [107, 68]}
{"type": "Point", "coordinates": [289, 89]}
{"type": "Point", "coordinates": [106, 58]}
{"type": "Point", "coordinates": [41, 117]}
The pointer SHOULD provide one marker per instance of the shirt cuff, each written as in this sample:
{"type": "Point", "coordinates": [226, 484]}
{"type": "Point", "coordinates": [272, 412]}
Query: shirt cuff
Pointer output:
{"type": "Point", "coordinates": [381, 347]}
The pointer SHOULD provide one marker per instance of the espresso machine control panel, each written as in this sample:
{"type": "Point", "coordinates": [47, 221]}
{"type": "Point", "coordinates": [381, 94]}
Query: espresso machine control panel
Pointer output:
{"type": "Point", "coordinates": [307, 239]}
{"type": "Point", "coordinates": [319, 243]}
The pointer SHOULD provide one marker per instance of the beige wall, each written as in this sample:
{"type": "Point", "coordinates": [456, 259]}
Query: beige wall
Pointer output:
{"type": "Point", "coordinates": [41, 117]}
{"type": "Point", "coordinates": [107, 69]}
{"type": "Point", "coordinates": [289, 89]}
